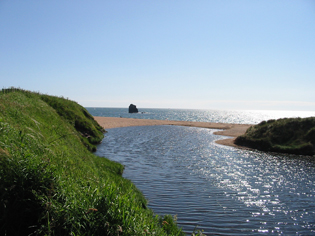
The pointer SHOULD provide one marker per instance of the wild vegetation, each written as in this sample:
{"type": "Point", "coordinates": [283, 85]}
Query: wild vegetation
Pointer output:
{"type": "Point", "coordinates": [288, 135]}
{"type": "Point", "coordinates": [52, 184]}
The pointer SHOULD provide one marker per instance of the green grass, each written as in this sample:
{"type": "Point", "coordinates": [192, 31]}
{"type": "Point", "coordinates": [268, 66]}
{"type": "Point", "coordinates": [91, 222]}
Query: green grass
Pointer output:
{"type": "Point", "coordinates": [288, 135]}
{"type": "Point", "coordinates": [52, 184]}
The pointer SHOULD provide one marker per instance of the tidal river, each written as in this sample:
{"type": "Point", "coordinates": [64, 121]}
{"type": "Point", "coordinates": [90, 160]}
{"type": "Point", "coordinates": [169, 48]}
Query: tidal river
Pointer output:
{"type": "Point", "coordinates": [222, 190]}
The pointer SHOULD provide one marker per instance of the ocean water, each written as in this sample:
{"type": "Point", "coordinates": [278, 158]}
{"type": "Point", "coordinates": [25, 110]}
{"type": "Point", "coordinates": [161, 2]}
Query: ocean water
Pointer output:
{"type": "Point", "coordinates": [220, 189]}
{"type": "Point", "coordinates": [224, 116]}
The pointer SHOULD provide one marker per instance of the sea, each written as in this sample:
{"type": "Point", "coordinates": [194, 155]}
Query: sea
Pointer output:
{"type": "Point", "coordinates": [217, 189]}
{"type": "Point", "coordinates": [218, 116]}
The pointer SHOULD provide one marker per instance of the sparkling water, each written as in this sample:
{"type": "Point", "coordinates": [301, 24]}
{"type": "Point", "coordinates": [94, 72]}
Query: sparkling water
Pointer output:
{"type": "Point", "coordinates": [223, 116]}
{"type": "Point", "coordinates": [220, 189]}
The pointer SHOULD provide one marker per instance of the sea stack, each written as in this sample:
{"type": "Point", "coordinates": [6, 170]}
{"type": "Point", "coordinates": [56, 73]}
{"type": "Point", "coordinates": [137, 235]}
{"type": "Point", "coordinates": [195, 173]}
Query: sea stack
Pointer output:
{"type": "Point", "coordinates": [133, 109]}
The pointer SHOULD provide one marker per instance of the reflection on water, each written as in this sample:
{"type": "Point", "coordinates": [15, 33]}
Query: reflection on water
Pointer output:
{"type": "Point", "coordinates": [223, 190]}
{"type": "Point", "coordinates": [224, 116]}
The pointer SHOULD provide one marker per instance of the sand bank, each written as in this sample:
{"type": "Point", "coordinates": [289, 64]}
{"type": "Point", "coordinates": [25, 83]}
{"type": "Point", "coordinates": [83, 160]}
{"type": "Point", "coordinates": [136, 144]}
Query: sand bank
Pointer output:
{"type": "Point", "coordinates": [232, 130]}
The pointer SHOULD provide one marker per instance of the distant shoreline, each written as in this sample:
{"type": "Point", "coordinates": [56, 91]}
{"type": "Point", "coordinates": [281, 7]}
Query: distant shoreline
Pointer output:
{"type": "Point", "coordinates": [232, 130]}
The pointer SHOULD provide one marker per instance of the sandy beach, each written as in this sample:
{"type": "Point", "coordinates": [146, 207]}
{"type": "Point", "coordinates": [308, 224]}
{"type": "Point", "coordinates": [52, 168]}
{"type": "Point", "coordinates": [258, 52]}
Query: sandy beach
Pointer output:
{"type": "Point", "coordinates": [232, 130]}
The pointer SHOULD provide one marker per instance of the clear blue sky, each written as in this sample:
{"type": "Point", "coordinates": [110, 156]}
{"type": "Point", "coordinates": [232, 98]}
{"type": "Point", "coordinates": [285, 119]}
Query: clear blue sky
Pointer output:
{"type": "Point", "coordinates": [207, 54]}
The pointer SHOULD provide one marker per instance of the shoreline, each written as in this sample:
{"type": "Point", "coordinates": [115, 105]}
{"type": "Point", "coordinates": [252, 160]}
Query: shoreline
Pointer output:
{"type": "Point", "coordinates": [232, 130]}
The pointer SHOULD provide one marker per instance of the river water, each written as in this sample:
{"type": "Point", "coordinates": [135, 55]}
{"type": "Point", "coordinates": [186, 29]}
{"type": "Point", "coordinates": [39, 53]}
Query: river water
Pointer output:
{"type": "Point", "coordinates": [222, 190]}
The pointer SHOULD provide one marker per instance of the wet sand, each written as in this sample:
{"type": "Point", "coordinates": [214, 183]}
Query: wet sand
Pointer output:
{"type": "Point", "coordinates": [232, 130]}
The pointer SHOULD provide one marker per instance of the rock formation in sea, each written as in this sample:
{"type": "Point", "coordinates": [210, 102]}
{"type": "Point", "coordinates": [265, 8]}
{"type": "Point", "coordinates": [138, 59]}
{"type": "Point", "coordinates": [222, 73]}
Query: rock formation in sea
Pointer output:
{"type": "Point", "coordinates": [133, 109]}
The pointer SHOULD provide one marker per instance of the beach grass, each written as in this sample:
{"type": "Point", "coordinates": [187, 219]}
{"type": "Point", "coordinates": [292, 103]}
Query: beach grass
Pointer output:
{"type": "Point", "coordinates": [52, 184]}
{"type": "Point", "coordinates": [287, 135]}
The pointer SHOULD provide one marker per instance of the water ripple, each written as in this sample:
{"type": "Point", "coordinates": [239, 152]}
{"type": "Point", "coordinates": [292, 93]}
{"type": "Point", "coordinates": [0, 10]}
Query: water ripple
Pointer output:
{"type": "Point", "coordinates": [224, 191]}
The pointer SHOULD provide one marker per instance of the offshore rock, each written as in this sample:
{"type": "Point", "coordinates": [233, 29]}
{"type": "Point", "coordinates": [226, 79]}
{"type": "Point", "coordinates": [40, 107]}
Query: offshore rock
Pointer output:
{"type": "Point", "coordinates": [133, 109]}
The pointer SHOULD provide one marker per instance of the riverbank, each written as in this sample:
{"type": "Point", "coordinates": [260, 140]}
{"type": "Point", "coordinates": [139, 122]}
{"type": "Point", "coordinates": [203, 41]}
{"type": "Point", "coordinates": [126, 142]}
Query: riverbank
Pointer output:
{"type": "Point", "coordinates": [232, 130]}
{"type": "Point", "coordinates": [286, 135]}
{"type": "Point", "coordinates": [52, 183]}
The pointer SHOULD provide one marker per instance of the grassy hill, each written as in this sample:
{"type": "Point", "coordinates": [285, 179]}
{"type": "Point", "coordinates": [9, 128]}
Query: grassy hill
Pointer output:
{"type": "Point", "coordinates": [50, 181]}
{"type": "Point", "coordinates": [288, 135]}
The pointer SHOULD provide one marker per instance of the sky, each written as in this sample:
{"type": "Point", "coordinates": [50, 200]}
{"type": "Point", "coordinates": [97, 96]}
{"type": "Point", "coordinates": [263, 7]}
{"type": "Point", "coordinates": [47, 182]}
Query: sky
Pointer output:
{"type": "Point", "coordinates": [203, 54]}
